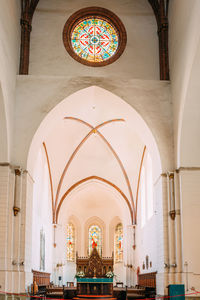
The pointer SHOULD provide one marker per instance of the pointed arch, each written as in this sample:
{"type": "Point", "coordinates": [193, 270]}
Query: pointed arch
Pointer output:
{"type": "Point", "coordinates": [101, 180]}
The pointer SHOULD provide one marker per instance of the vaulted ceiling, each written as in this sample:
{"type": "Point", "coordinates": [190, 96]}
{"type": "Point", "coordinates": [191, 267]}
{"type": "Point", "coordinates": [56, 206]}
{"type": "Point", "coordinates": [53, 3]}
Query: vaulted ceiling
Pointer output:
{"type": "Point", "coordinates": [93, 136]}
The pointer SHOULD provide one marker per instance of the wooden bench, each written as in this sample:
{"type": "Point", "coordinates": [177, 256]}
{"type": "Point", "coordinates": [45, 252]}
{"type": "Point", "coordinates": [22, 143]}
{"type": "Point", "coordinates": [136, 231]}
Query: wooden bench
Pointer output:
{"type": "Point", "coordinates": [148, 281]}
{"type": "Point", "coordinates": [55, 292]}
{"type": "Point", "coordinates": [40, 281]}
{"type": "Point", "coordinates": [135, 293]}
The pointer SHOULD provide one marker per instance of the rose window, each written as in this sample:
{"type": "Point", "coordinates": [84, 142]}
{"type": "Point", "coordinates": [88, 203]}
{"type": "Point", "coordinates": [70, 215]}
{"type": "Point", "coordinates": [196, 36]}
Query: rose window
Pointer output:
{"type": "Point", "coordinates": [94, 36]}
{"type": "Point", "coordinates": [94, 39]}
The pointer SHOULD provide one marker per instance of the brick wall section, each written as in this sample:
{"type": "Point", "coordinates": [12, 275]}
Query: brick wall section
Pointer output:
{"type": "Point", "coordinates": [6, 225]}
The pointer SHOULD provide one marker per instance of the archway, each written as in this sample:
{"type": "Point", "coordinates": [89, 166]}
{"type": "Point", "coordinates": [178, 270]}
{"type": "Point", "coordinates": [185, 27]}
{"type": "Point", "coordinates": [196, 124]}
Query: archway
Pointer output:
{"type": "Point", "coordinates": [92, 136]}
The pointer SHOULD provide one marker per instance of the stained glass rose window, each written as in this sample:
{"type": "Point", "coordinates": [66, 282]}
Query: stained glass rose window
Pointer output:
{"type": "Point", "coordinates": [94, 39]}
{"type": "Point", "coordinates": [94, 36]}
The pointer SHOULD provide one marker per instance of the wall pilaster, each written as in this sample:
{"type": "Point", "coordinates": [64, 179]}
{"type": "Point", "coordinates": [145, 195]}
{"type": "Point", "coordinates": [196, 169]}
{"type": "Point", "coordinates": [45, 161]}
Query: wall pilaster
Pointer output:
{"type": "Point", "coordinates": [165, 232]}
{"type": "Point", "coordinates": [15, 229]}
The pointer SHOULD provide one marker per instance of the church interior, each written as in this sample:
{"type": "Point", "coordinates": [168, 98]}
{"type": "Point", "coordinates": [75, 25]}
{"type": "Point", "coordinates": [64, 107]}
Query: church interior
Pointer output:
{"type": "Point", "coordinates": [99, 148]}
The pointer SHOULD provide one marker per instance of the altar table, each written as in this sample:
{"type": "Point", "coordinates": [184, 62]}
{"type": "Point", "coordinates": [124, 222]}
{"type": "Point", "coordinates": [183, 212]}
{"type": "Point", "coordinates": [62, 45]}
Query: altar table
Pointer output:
{"type": "Point", "coordinates": [94, 286]}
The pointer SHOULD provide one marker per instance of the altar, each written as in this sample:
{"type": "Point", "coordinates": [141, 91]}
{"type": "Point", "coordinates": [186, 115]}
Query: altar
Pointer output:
{"type": "Point", "coordinates": [95, 286]}
{"type": "Point", "coordinates": [94, 268]}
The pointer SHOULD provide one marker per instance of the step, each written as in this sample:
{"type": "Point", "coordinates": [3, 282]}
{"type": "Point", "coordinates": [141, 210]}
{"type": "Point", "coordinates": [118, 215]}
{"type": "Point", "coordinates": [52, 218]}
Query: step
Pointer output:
{"type": "Point", "coordinates": [96, 297]}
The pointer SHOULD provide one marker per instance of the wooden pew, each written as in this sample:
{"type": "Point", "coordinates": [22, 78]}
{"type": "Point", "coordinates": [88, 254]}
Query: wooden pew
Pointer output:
{"type": "Point", "coordinates": [148, 281]}
{"type": "Point", "coordinates": [55, 292]}
{"type": "Point", "coordinates": [40, 281]}
{"type": "Point", "coordinates": [135, 293]}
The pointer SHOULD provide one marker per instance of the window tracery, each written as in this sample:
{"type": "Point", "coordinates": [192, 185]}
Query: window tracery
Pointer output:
{"type": "Point", "coordinates": [94, 36]}
{"type": "Point", "coordinates": [94, 39]}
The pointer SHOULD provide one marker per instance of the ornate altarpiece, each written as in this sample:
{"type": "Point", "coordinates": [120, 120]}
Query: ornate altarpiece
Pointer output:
{"type": "Point", "coordinates": [94, 265]}
{"type": "Point", "coordinates": [95, 268]}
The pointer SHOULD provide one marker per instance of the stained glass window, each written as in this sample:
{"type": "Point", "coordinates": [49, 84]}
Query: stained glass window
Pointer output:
{"type": "Point", "coordinates": [94, 39]}
{"type": "Point", "coordinates": [119, 243]}
{"type": "Point", "coordinates": [149, 186]}
{"type": "Point", "coordinates": [70, 242]}
{"type": "Point", "coordinates": [42, 250]}
{"type": "Point", "coordinates": [95, 239]}
{"type": "Point", "coordinates": [143, 197]}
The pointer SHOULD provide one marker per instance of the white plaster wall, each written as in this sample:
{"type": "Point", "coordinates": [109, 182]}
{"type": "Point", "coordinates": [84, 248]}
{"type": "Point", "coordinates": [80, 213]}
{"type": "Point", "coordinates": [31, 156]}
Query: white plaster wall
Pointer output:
{"type": "Point", "coordinates": [190, 193]}
{"type": "Point", "coordinates": [184, 58]}
{"type": "Point", "coordinates": [120, 272]}
{"type": "Point", "coordinates": [190, 132]}
{"type": "Point", "coordinates": [69, 272]}
{"type": "Point", "coordinates": [9, 61]}
{"type": "Point", "coordinates": [150, 239]}
{"type": "Point", "coordinates": [184, 66]}
{"type": "Point", "coordinates": [158, 210]}
{"type": "Point", "coordinates": [49, 57]}
{"type": "Point", "coordinates": [42, 215]}
{"type": "Point", "coordinates": [26, 278]}
{"type": "Point", "coordinates": [146, 241]}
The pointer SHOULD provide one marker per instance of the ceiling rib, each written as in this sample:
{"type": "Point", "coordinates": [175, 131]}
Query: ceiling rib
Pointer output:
{"type": "Point", "coordinates": [95, 129]}
{"type": "Point", "coordinates": [138, 183]}
{"type": "Point", "coordinates": [88, 179]}
{"type": "Point", "coordinates": [51, 182]}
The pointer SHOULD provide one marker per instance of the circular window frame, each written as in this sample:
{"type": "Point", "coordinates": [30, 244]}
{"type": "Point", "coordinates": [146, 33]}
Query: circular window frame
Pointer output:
{"type": "Point", "coordinates": [102, 13]}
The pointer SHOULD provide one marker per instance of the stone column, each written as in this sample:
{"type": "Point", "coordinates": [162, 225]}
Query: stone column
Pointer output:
{"type": "Point", "coordinates": [26, 232]}
{"type": "Point", "coordinates": [25, 44]}
{"type": "Point", "coordinates": [130, 255]}
{"type": "Point", "coordinates": [171, 226]}
{"type": "Point", "coordinates": [165, 232]}
{"type": "Point", "coordinates": [7, 180]}
{"type": "Point", "coordinates": [128, 259]}
{"type": "Point", "coordinates": [179, 260]}
{"type": "Point", "coordinates": [17, 229]}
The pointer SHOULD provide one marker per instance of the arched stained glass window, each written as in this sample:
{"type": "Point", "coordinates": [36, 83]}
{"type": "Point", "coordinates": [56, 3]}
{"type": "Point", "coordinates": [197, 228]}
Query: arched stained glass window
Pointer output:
{"type": "Point", "coordinates": [70, 242]}
{"type": "Point", "coordinates": [118, 243]}
{"type": "Point", "coordinates": [95, 239]}
{"type": "Point", "coordinates": [149, 187]}
{"type": "Point", "coordinates": [143, 197]}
